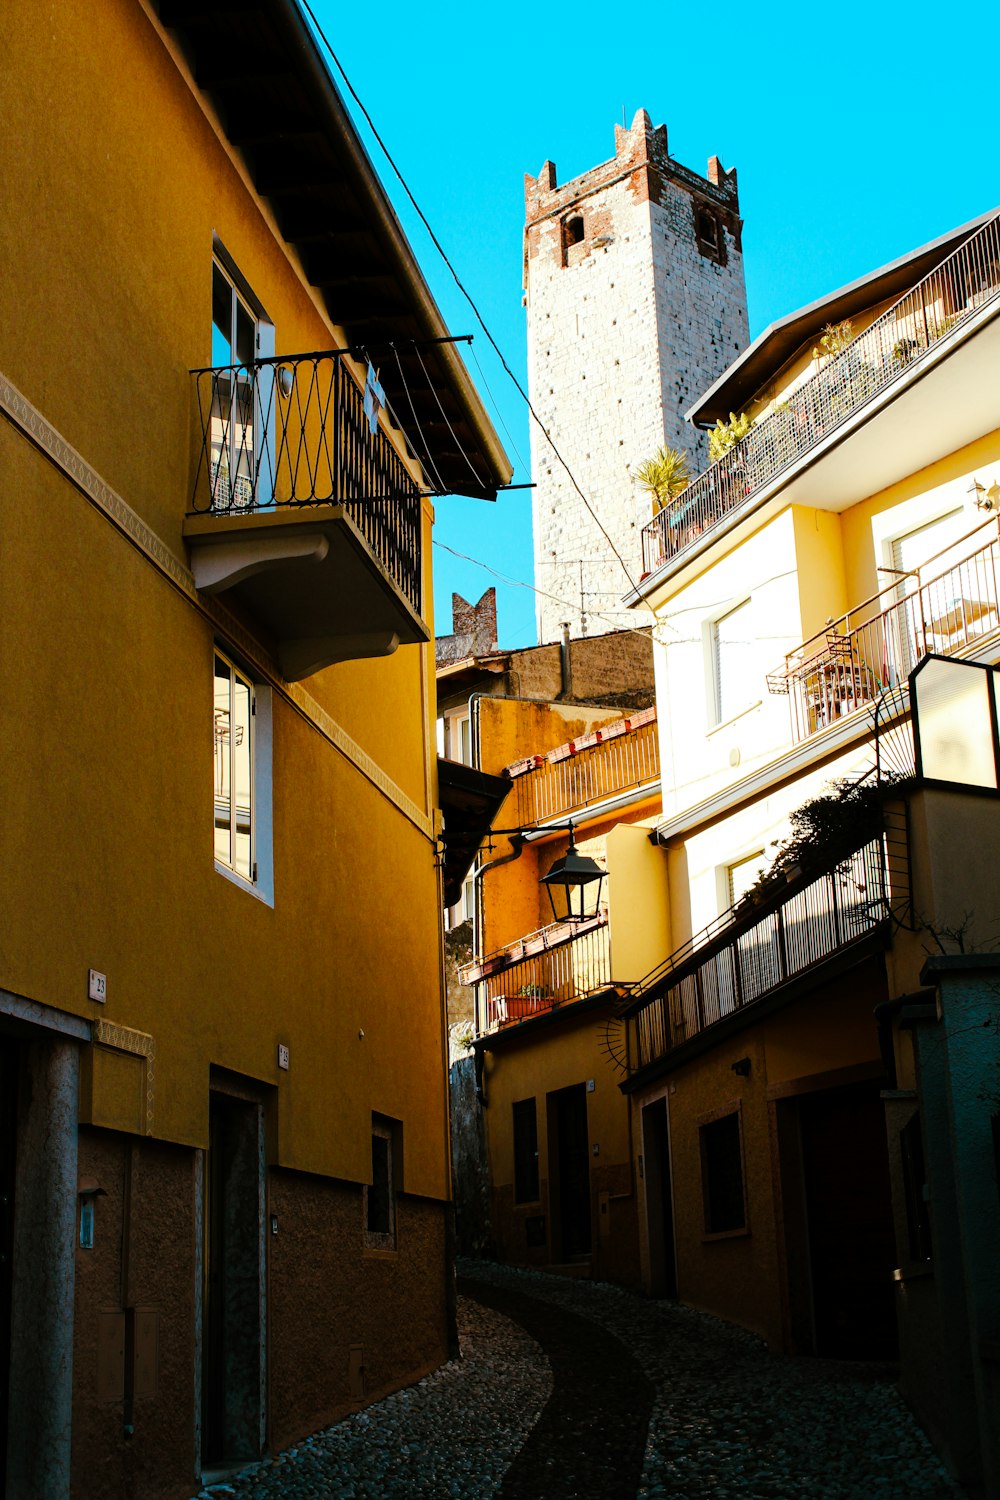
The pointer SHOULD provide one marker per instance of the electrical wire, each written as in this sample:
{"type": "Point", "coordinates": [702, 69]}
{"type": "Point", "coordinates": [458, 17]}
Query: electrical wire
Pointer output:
{"type": "Point", "coordinates": [518, 583]}
{"type": "Point", "coordinates": [432, 466]}
{"type": "Point", "coordinates": [467, 295]}
{"type": "Point", "coordinates": [525, 468]}
{"type": "Point", "coordinates": [444, 414]}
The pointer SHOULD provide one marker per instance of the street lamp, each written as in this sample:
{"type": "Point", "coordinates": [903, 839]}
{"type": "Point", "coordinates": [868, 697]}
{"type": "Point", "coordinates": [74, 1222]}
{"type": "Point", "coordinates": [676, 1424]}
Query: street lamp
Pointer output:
{"type": "Point", "coordinates": [574, 885]}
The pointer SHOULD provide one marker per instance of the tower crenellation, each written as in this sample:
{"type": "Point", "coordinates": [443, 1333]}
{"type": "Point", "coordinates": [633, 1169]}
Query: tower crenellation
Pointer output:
{"type": "Point", "coordinates": [636, 303]}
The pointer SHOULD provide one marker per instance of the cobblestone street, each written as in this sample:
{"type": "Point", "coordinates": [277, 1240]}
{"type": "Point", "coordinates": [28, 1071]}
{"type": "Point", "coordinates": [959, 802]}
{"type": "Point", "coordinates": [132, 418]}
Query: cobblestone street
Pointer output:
{"type": "Point", "coordinates": [576, 1389]}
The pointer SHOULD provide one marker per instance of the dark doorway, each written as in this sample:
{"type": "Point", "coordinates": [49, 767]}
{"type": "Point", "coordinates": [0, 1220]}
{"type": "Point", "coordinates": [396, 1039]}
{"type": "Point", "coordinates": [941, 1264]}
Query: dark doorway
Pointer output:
{"type": "Point", "coordinates": [231, 1340]}
{"type": "Point", "coordinates": [9, 1061]}
{"type": "Point", "coordinates": [659, 1200]}
{"type": "Point", "coordinates": [571, 1158]}
{"type": "Point", "coordinates": [845, 1166]}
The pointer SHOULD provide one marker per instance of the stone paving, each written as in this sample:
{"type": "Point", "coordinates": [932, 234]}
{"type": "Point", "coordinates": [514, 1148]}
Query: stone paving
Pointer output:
{"type": "Point", "coordinates": [570, 1388]}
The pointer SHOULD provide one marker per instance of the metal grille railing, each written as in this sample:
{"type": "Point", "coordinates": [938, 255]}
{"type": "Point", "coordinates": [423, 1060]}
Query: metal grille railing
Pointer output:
{"type": "Point", "coordinates": [292, 431]}
{"type": "Point", "coordinates": [620, 762]}
{"type": "Point", "coordinates": [751, 958]}
{"type": "Point", "coordinates": [965, 281]}
{"type": "Point", "coordinates": [572, 966]}
{"type": "Point", "coordinates": [875, 646]}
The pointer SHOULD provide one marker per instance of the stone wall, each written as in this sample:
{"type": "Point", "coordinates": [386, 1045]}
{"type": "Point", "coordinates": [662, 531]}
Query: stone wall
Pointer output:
{"type": "Point", "coordinates": [626, 327]}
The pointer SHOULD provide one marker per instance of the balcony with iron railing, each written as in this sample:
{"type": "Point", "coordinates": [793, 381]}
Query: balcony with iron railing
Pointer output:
{"type": "Point", "coordinates": [553, 967]}
{"type": "Point", "coordinates": [889, 352]}
{"type": "Point", "coordinates": [303, 512]}
{"type": "Point", "coordinates": [748, 954]}
{"type": "Point", "coordinates": [604, 765]}
{"type": "Point", "coordinates": [855, 659]}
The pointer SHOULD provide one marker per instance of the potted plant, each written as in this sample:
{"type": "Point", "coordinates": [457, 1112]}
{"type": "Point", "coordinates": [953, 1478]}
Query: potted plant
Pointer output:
{"type": "Point", "coordinates": [664, 476]}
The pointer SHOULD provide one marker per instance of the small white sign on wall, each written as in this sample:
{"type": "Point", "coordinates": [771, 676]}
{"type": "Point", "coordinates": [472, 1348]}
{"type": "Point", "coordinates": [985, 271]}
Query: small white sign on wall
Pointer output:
{"type": "Point", "coordinates": [97, 986]}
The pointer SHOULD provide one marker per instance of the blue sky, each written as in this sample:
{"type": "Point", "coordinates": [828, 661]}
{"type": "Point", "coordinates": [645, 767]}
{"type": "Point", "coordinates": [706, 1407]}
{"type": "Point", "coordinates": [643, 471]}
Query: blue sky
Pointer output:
{"type": "Point", "coordinates": [858, 132]}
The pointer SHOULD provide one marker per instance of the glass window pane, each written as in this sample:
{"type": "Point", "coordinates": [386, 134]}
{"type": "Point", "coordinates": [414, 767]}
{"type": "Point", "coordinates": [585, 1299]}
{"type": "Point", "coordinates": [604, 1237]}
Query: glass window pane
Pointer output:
{"type": "Point", "coordinates": [734, 662]}
{"type": "Point", "coordinates": [246, 327]}
{"type": "Point", "coordinates": [242, 783]}
{"type": "Point", "coordinates": [222, 728]}
{"type": "Point", "coordinates": [222, 319]}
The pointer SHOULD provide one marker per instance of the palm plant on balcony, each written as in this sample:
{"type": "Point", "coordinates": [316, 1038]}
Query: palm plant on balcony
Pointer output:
{"type": "Point", "coordinates": [664, 476]}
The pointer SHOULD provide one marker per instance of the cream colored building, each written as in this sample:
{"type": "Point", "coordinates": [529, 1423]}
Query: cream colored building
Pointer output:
{"type": "Point", "coordinates": [839, 556]}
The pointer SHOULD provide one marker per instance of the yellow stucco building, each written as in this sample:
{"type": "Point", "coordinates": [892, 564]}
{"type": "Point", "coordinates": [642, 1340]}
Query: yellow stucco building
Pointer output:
{"type": "Point", "coordinates": [547, 982]}
{"type": "Point", "coordinates": [828, 621]}
{"type": "Point", "coordinates": [224, 1112]}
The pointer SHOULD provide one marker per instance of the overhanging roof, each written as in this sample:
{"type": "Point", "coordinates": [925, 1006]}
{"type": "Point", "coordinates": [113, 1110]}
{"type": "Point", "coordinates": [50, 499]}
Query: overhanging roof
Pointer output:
{"type": "Point", "coordinates": [262, 69]}
{"type": "Point", "coordinates": [470, 801]}
{"type": "Point", "coordinates": [771, 349]}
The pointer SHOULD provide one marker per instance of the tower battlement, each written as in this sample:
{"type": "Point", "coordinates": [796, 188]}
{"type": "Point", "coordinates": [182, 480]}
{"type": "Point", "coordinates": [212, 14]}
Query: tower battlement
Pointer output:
{"type": "Point", "coordinates": [634, 291]}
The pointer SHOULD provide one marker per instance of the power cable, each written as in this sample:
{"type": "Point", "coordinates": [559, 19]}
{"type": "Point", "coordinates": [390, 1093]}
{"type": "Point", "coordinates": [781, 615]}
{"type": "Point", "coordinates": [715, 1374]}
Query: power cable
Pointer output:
{"type": "Point", "coordinates": [467, 295]}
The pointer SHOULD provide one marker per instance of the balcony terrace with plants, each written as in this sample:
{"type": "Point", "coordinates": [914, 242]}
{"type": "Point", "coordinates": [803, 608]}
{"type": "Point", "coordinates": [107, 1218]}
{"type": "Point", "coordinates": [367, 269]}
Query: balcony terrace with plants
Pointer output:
{"type": "Point", "coordinates": [835, 884]}
{"type": "Point", "coordinates": [552, 967]}
{"type": "Point", "coordinates": [947, 606]}
{"type": "Point", "coordinates": [854, 370]}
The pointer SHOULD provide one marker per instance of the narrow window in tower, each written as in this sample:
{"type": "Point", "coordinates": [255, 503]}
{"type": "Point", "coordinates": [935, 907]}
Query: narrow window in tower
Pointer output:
{"type": "Point", "coordinates": [572, 234]}
{"type": "Point", "coordinates": [708, 234]}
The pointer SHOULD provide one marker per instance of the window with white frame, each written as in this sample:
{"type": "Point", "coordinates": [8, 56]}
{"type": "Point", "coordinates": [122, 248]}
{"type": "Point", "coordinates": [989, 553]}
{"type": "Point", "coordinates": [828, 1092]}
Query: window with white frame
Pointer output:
{"type": "Point", "coordinates": [378, 1201]}
{"type": "Point", "coordinates": [742, 874]}
{"type": "Point", "coordinates": [242, 392]}
{"type": "Point", "coordinates": [233, 725]}
{"type": "Point", "coordinates": [733, 662]}
{"type": "Point", "coordinates": [241, 730]}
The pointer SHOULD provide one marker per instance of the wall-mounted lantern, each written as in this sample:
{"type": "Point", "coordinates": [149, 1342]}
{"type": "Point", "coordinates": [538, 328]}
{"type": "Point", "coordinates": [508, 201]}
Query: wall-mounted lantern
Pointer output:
{"type": "Point", "coordinates": [574, 885]}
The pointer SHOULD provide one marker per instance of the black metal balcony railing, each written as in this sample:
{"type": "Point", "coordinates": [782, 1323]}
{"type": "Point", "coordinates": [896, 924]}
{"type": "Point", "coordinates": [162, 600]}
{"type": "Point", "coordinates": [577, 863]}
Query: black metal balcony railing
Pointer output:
{"type": "Point", "coordinates": [965, 281]}
{"type": "Point", "coordinates": [546, 969]}
{"type": "Point", "coordinates": [292, 431]}
{"type": "Point", "coordinates": [874, 647]}
{"type": "Point", "coordinates": [746, 956]}
{"type": "Point", "coordinates": [620, 757]}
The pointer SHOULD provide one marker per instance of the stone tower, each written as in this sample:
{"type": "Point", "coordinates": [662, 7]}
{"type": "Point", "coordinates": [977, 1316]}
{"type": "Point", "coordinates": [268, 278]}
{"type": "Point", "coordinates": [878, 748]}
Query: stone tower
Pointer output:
{"type": "Point", "coordinates": [636, 304]}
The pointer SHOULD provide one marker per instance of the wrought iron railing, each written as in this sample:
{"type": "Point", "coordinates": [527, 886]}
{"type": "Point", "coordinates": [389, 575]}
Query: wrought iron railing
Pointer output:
{"type": "Point", "coordinates": [874, 647]}
{"type": "Point", "coordinates": [546, 969]}
{"type": "Point", "coordinates": [748, 956]}
{"type": "Point", "coordinates": [292, 431]}
{"type": "Point", "coordinates": [965, 281]}
{"type": "Point", "coordinates": [609, 761]}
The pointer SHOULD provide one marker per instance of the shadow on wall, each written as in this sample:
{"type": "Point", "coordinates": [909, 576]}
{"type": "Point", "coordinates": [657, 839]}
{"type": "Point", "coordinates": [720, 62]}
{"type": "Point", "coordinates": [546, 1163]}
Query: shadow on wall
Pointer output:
{"type": "Point", "coordinates": [470, 1178]}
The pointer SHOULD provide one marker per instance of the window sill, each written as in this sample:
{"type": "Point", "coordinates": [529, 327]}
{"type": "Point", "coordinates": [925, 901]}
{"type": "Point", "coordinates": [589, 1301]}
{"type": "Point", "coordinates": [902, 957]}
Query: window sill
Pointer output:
{"type": "Point", "coordinates": [244, 885]}
{"type": "Point", "coordinates": [380, 1252]}
{"type": "Point", "coordinates": [726, 1234]}
{"type": "Point", "coordinates": [733, 719]}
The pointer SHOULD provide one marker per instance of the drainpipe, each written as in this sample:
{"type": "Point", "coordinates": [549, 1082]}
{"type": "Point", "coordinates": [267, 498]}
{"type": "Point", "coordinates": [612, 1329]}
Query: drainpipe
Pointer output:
{"type": "Point", "coordinates": [565, 663]}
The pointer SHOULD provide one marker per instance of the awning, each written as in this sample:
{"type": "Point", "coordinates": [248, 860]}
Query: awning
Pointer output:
{"type": "Point", "coordinates": [470, 801]}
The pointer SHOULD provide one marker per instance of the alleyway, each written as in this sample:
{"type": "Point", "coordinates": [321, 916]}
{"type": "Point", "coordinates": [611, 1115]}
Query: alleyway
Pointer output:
{"type": "Point", "coordinates": [575, 1389]}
